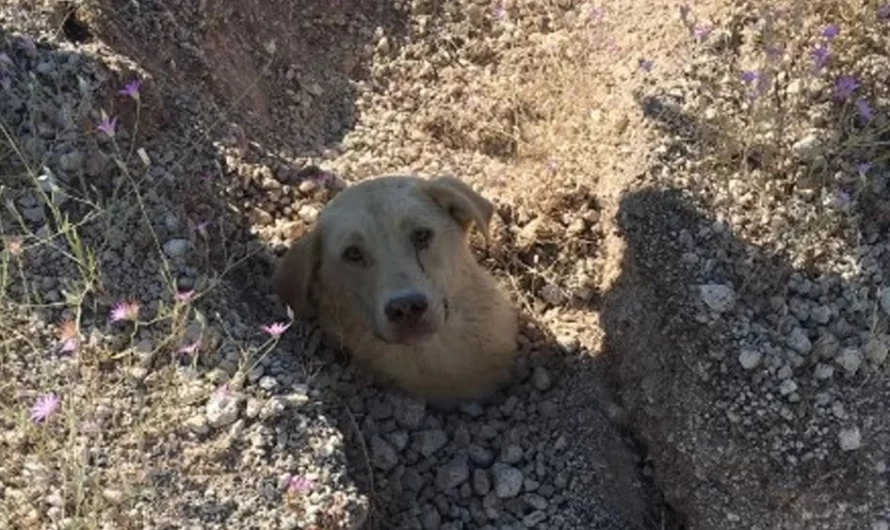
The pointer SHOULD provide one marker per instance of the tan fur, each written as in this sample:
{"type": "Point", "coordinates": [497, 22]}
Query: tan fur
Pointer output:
{"type": "Point", "coordinates": [470, 345]}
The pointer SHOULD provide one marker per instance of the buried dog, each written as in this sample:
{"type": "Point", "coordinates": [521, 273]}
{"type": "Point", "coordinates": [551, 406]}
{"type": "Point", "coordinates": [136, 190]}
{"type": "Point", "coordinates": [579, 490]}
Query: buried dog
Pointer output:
{"type": "Point", "coordinates": [389, 272]}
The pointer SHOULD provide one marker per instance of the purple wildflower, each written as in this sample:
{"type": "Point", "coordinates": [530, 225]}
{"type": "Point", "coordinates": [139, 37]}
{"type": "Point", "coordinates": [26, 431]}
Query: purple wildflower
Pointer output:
{"type": "Point", "coordinates": [190, 349]}
{"type": "Point", "coordinates": [108, 126]}
{"type": "Point", "coordinates": [646, 64]}
{"type": "Point", "coordinates": [298, 484]}
{"type": "Point", "coordinates": [184, 296]}
{"type": "Point", "coordinates": [500, 13]}
{"type": "Point", "coordinates": [552, 167]}
{"type": "Point", "coordinates": [749, 76]}
{"type": "Point", "coordinates": [820, 57]}
{"type": "Point", "coordinates": [862, 168]}
{"type": "Point", "coordinates": [222, 393]}
{"type": "Point", "coordinates": [131, 89]}
{"type": "Point", "coordinates": [702, 32]}
{"type": "Point", "coordinates": [884, 12]}
{"type": "Point", "coordinates": [69, 346]}
{"type": "Point", "coordinates": [276, 329]}
{"type": "Point", "coordinates": [45, 406]}
{"type": "Point", "coordinates": [125, 311]}
{"type": "Point", "coordinates": [865, 110]}
{"type": "Point", "coordinates": [842, 198]}
{"type": "Point", "coordinates": [845, 86]}
{"type": "Point", "coordinates": [830, 32]}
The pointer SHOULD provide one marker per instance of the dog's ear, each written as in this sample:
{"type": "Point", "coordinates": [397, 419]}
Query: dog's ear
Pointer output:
{"type": "Point", "coordinates": [295, 274]}
{"type": "Point", "coordinates": [461, 202]}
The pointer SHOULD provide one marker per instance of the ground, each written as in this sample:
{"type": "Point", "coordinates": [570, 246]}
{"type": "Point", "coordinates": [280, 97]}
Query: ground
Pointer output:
{"type": "Point", "coordinates": [693, 214]}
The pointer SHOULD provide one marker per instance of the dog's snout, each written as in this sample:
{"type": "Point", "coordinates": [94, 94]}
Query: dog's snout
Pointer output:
{"type": "Point", "coordinates": [406, 308]}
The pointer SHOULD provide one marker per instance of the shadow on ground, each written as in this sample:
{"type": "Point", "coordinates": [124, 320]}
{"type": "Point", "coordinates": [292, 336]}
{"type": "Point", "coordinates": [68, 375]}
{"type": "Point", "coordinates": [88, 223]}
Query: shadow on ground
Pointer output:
{"type": "Point", "coordinates": [722, 454]}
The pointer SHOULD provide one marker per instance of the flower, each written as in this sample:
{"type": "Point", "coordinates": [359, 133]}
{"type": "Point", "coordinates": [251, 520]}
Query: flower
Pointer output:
{"type": "Point", "coordinates": [184, 296]}
{"type": "Point", "coordinates": [45, 406]}
{"type": "Point", "coordinates": [276, 329]}
{"type": "Point", "coordinates": [865, 110]}
{"type": "Point", "coordinates": [298, 484]}
{"type": "Point", "coordinates": [845, 86]}
{"type": "Point", "coordinates": [552, 166]}
{"type": "Point", "coordinates": [131, 89]}
{"type": "Point", "coordinates": [884, 12]}
{"type": "Point", "coordinates": [107, 126]}
{"type": "Point", "coordinates": [125, 311]}
{"type": "Point", "coordinates": [15, 245]}
{"type": "Point", "coordinates": [842, 199]}
{"type": "Point", "coordinates": [69, 345]}
{"type": "Point", "coordinates": [830, 32]}
{"type": "Point", "coordinates": [702, 32]}
{"type": "Point", "coordinates": [862, 168]}
{"type": "Point", "coordinates": [749, 76]}
{"type": "Point", "coordinates": [222, 393]}
{"type": "Point", "coordinates": [646, 64]}
{"type": "Point", "coordinates": [190, 349]}
{"type": "Point", "coordinates": [820, 57]}
{"type": "Point", "coordinates": [500, 13]}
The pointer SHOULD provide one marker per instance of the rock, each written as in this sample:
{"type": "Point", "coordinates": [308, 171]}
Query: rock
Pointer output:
{"type": "Point", "coordinates": [268, 383]}
{"type": "Point", "coordinates": [480, 456]}
{"type": "Point", "coordinates": [750, 359]}
{"type": "Point", "coordinates": [481, 483]}
{"type": "Point", "coordinates": [511, 454]}
{"type": "Point", "coordinates": [541, 379]}
{"type": "Point", "coordinates": [885, 299]}
{"type": "Point", "coordinates": [453, 473]}
{"type": "Point", "coordinates": [408, 412]}
{"type": "Point", "coordinates": [428, 442]}
{"type": "Point", "coordinates": [430, 518]}
{"type": "Point", "coordinates": [175, 248]}
{"type": "Point", "coordinates": [849, 439]}
{"type": "Point", "coordinates": [198, 424]}
{"type": "Point", "coordinates": [876, 350]}
{"type": "Point", "coordinates": [113, 495]}
{"type": "Point", "coordinates": [787, 387]}
{"type": "Point", "coordinates": [821, 315]}
{"type": "Point", "coordinates": [223, 410]}
{"type": "Point", "coordinates": [273, 408]}
{"type": "Point", "coordinates": [552, 294]}
{"type": "Point", "coordinates": [808, 147]}
{"type": "Point", "coordinates": [850, 360]}
{"type": "Point", "coordinates": [383, 455]}
{"type": "Point", "coordinates": [720, 298]}
{"type": "Point", "coordinates": [799, 342]}
{"type": "Point", "coordinates": [533, 519]}
{"type": "Point", "coordinates": [507, 481]}
{"type": "Point", "coordinates": [569, 344]}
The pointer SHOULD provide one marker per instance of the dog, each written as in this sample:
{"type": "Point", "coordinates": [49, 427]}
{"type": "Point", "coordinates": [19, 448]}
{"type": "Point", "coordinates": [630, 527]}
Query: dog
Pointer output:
{"type": "Point", "coordinates": [388, 271]}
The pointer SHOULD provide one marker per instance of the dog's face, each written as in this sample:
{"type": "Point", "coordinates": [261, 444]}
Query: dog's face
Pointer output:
{"type": "Point", "coordinates": [386, 251]}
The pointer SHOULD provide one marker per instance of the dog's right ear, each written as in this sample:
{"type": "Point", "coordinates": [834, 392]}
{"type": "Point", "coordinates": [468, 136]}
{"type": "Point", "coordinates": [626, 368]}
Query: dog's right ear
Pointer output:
{"type": "Point", "coordinates": [295, 273]}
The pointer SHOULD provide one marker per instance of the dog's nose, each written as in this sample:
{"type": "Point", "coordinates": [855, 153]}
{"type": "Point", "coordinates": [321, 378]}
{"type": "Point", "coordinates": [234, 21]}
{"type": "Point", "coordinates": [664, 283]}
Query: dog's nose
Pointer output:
{"type": "Point", "coordinates": [406, 308]}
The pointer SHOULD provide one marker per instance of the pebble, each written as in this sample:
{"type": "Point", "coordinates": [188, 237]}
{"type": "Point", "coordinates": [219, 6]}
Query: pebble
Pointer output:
{"type": "Point", "coordinates": [507, 481]}
{"type": "Point", "coordinates": [176, 248]}
{"type": "Point", "coordinates": [541, 378]}
{"type": "Point", "coordinates": [268, 383]}
{"type": "Point", "coordinates": [273, 408]}
{"type": "Point", "coordinates": [511, 454]}
{"type": "Point", "coordinates": [428, 442]}
{"type": "Point", "coordinates": [198, 424]}
{"type": "Point", "coordinates": [453, 473]}
{"type": "Point", "coordinates": [481, 482]}
{"type": "Point", "coordinates": [850, 360]}
{"type": "Point", "coordinates": [850, 439]}
{"type": "Point", "coordinates": [718, 297]}
{"type": "Point", "coordinates": [884, 300]}
{"type": "Point", "coordinates": [799, 342]}
{"type": "Point", "coordinates": [383, 454]}
{"type": "Point", "coordinates": [750, 359]}
{"type": "Point", "coordinates": [222, 411]}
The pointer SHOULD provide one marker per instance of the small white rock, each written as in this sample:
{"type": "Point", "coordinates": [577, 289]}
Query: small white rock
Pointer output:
{"type": "Point", "coordinates": [788, 386]}
{"type": "Point", "coordinates": [176, 247]}
{"type": "Point", "coordinates": [750, 359]}
{"type": "Point", "coordinates": [850, 439]}
{"type": "Point", "coordinates": [850, 360]}
{"type": "Point", "coordinates": [720, 298]}
{"type": "Point", "coordinates": [799, 342]}
{"type": "Point", "coordinates": [197, 424]}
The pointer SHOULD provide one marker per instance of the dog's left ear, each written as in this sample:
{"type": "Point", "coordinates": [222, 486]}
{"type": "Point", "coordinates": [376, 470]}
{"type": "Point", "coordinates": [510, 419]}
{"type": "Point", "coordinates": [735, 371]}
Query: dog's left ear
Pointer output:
{"type": "Point", "coordinates": [461, 202]}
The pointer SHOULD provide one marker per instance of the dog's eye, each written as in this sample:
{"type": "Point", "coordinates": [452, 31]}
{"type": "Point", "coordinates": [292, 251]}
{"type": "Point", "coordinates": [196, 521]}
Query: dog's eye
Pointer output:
{"type": "Point", "coordinates": [353, 254]}
{"type": "Point", "coordinates": [421, 238]}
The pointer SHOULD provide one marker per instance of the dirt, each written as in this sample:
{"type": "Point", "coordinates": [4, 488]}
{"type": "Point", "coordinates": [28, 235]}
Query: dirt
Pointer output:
{"type": "Point", "coordinates": [635, 154]}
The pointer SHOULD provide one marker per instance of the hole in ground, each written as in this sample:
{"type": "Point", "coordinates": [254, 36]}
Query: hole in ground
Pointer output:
{"type": "Point", "coordinates": [74, 29]}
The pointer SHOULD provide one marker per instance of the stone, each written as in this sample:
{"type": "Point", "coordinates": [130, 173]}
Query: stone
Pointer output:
{"type": "Point", "coordinates": [850, 360]}
{"type": "Point", "coordinates": [799, 342]}
{"type": "Point", "coordinates": [453, 473]}
{"type": "Point", "coordinates": [849, 439]}
{"type": "Point", "coordinates": [541, 378]}
{"type": "Point", "coordinates": [383, 455]}
{"type": "Point", "coordinates": [430, 441]}
{"type": "Point", "coordinates": [481, 482]}
{"type": "Point", "coordinates": [750, 359]}
{"type": "Point", "coordinates": [176, 248]}
{"type": "Point", "coordinates": [507, 481]}
{"type": "Point", "coordinates": [718, 297]}
{"type": "Point", "coordinates": [223, 410]}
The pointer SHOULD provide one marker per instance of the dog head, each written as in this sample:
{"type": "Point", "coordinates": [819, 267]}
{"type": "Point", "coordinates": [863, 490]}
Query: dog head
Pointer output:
{"type": "Point", "coordinates": [386, 253]}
